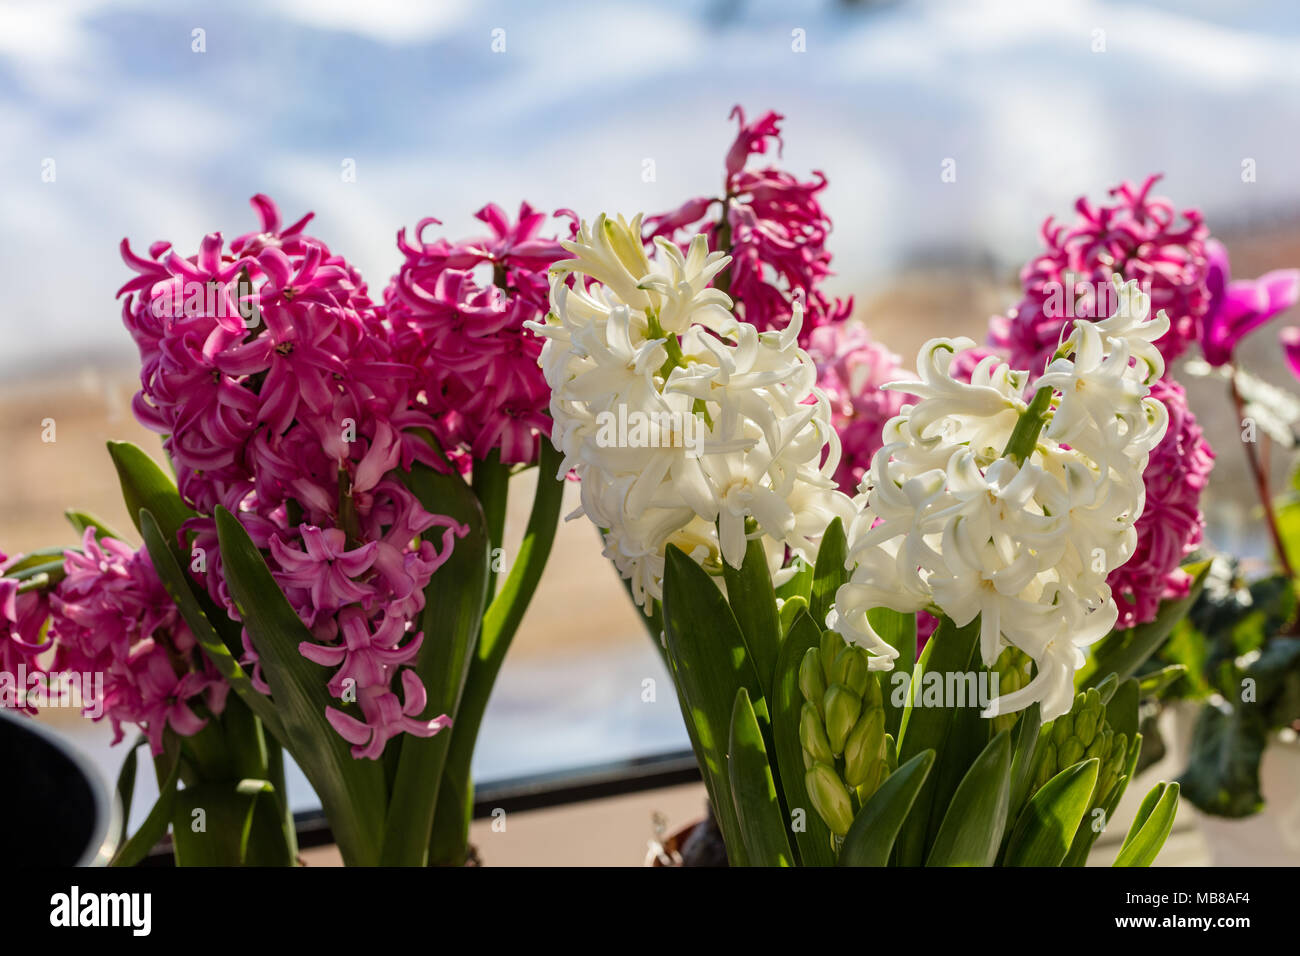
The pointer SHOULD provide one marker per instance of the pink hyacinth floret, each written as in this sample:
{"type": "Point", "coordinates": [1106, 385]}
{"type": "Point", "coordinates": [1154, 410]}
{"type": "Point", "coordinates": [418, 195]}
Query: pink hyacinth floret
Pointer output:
{"type": "Point", "coordinates": [851, 369]}
{"type": "Point", "coordinates": [22, 643]}
{"type": "Point", "coordinates": [1239, 306]}
{"type": "Point", "coordinates": [773, 226]}
{"type": "Point", "coordinates": [458, 311]}
{"type": "Point", "coordinates": [1171, 524]}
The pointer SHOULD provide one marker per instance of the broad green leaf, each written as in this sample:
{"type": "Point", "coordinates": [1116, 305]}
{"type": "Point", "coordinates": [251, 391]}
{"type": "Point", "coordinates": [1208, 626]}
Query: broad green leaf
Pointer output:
{"type": "Point", "coordinates": [146, 485]}
{"type": "Point", "coordinates": [1124, 652]}
{"type": "Point", "coordinates": [1087, 833]}
{"type": "Point", "coordinates": [216, 650]}
{"type": "Point", "coordinates": [1151, 826]}
{"type": "Point", "coordinates": [813, 841]}
{"type": "Point", "coordinates": [762, 822]}
{"type": "Point", "coordinates": [500, 621]}
{"type": "Point", "coordinates": [1046, 827]}
{"type": "Point", "coordinates": [710, 662]}
{"type": "Point", "coordinates": [829, 572]}
{"type": "Point", "coordinates": [453, 613]}
{"type": "Point", "coordinates": [871, 838]}
{"type": "Point", "coordinates": [155, 824]}
{"type": "Point", "coordinates": [1222, 775]}
{"type": "Point", "coordinates": [212, 823]}
{"type": "Point", "coordinates": [755, 609]}
{"type": "Point", "coordinates": [923, 728]}
{"type": "Point", "coordinates": [971, 832]}
{"type": "Point", "coordinates": [352, 792]}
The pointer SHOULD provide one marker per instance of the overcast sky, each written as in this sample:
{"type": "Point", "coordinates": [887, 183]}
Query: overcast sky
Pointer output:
{"type": "Point", "coordinates": [151, 139]}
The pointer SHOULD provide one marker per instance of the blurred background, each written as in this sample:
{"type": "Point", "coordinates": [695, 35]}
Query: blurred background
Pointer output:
{"type": "Point", "coordinates": [155, 120]}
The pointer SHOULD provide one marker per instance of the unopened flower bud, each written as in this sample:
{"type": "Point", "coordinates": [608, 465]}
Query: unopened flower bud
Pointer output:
{"type": "Point", "coordinates": [853, 669]}
{"type": "Point", "coordinates": [812, 736]}
{"type": "Point", "coordinates": [811, 683]}
{"type": "Point", "coordinates": [864, 751]}
{"type": "Point", "coordinates": [829, 798]}
{"type": "Point", "coordinates": [843, 707]}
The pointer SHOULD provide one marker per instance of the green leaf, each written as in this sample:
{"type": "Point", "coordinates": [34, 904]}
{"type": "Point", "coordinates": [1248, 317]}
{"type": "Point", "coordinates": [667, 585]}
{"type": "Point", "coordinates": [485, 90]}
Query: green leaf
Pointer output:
{"type": "Point", "coordinates": [1043, 833]}
{"type": "Point", "coordinates": [500, 622]}
{"type": "Point", "coordinates": [798, 584]}
{"type": "Point", "coordinates": [1154, 683]}
{"type": "Point", "coordinates": [829, 572]}
{"type": "Point", "coordinates": [762, 823]}
{"type": "Point", "coordinates": [949, 649]}
{"type": "Point", "coordinates": [971, 832]}
{"type": "Point", "coordinates": [126, 787]}
{"type": "Point", "coordinates": [154, 827]}
{"type": "Point", "coordinates": [755, 610]}
{"type": "Point", "coordinates": [212, 823]}
{"type": "Point", "coordinates": [1124, 652]}
{"type": "Point", "coordinates": [145, 485]}
{"type": "Point", "coordinates": [898, 631]}
{"type": "Point", "coordinates": [791, 608]}
{"type": "Point", "coordinates": [352, 792]}
{"type": "Point", "coordinates": [453, 612]}
{"type": "Point", "coordinates": [216, 649]}
{"type": "Point", "coordinates": [1151, 826]}
{"type": "Point", "coordinates": [1087, 834]}
{"type": "Point", "coordinates": [1122, 711]}
{"type": "Point", "coordinates": [81, 520]}
{"type": "Point", "coordinates": [1222, 775]}
{"type": "Point", "coordinates": [1022, 759]}
{"type": "Point", "coordinates": [710, 662]}
{"type": "Point", "coordinates": [871, 838]}
{"type": "Point", "coordinates": [813, 841]}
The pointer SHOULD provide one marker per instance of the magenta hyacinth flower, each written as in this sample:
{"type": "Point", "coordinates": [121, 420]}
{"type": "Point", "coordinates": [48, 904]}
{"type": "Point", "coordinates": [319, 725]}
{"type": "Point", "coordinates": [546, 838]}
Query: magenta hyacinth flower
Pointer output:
{"type": "Point", "coordinates": [111, 615]}
{"type": "Point", "coordinates": [851, 368]}
{"type": "Point", "coordinates": [458, 310]}
{"type": "Point", "coordinates": [1291, 348]}
{"type": "Point", "coordinates": [1136, 236]}
{"type": "Point", "coordinates": [1171, 524]}
{"type": "Point", "coordinates": [288, 397]}
{"type": "Point", "coordinates": [1239, 306]}
{"type": "Point", "coordinates": [773, 226]}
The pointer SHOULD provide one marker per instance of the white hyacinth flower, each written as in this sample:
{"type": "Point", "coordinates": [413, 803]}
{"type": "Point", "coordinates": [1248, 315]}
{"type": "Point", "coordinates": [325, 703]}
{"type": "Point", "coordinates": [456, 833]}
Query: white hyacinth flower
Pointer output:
{"type": "Point", "coordinates": [686, 426]}
{"type": "Point", "coordinates": [950, 520]}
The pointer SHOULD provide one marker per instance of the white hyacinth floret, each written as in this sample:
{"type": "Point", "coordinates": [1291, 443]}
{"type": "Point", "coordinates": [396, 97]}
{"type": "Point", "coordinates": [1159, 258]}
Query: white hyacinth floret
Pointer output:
{"type": "Point", "coordinates": [949, 522]}
{"type": "Point", "coordinates": [685, 425]}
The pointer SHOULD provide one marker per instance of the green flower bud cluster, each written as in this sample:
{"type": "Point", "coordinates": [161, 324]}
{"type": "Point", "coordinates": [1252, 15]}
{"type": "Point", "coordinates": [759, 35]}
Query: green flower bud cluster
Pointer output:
{"type": "Point", "coordinates": [1081, 734]}
{"type": "Point", "coordinates": [846, 752]}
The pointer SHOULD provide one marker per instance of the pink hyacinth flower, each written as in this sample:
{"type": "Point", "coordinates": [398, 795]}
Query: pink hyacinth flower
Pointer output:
{"type": "Point", "coordinates": [1239, 306]}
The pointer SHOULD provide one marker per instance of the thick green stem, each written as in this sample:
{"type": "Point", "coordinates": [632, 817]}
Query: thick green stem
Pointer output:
{"type": "Point", "coordinates": [1024, 437]}
{"type": "Point", "coordinates": [500, 623]}
{"type": "Point", "coordinates": [490, 481]}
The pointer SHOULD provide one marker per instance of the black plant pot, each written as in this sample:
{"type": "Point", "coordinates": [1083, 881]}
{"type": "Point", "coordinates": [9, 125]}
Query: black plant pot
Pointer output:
{"type": "Point", "coordinates": [55, 809]}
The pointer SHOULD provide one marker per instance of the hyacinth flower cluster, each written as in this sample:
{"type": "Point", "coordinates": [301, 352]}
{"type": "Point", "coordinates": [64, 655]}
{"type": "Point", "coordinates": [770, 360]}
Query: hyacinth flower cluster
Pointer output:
{"type": "Point", "coordinates": [773, 226]}
{"type": "Point", "coordinates": [981, 504]}
{"type": "Point", "coordinates": [458, 312]}
{"type": "Point", "coordinates": [283, 400]}
{"type": "Point", "coordinates": [1145, 238]}
{"type": "Point", "coordinates": [735, 439]}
